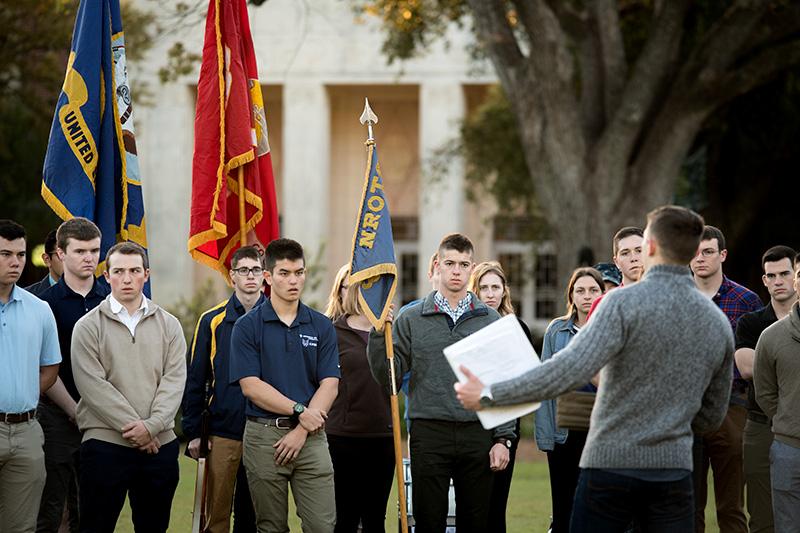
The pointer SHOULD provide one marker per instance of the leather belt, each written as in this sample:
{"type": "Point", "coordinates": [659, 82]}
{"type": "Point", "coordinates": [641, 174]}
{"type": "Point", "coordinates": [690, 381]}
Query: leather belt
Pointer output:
{"type": "Point", "coordinates": [17, 418]}
{"type": "Point", "coordinates": [279, 422]}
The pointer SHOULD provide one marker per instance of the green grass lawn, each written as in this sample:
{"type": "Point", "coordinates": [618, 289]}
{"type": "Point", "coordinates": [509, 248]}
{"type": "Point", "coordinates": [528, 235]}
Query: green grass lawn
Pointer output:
{"type": "Point", "coordinates": [528, 505]}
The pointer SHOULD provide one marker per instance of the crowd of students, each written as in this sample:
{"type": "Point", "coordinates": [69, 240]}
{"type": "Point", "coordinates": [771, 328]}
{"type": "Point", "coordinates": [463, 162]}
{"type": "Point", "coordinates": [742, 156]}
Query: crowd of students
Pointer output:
{"type": "Point", "coordinates": [276, 394]}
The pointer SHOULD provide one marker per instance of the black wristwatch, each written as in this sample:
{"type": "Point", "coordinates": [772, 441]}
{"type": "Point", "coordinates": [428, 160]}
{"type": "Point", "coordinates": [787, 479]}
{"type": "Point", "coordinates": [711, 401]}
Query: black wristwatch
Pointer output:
{"type": "Point", "coordinates": [298, 409]}
{"type": "Point", "coordinates": [504, 442]}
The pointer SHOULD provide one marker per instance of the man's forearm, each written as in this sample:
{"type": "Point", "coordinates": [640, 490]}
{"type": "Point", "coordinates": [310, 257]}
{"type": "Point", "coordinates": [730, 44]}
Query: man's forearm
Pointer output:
{"type": "Point", "coordinates": [60, 396]}
{"type": "Point", "coordinates": [325, 395]}
{"type": "Point", "coordinates": [744, 361]}
{"type": "Point", "coordinates": [266, 396]}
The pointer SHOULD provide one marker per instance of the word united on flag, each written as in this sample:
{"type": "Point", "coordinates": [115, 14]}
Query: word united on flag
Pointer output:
{"type": "Point", "coordinates": [91, 169]}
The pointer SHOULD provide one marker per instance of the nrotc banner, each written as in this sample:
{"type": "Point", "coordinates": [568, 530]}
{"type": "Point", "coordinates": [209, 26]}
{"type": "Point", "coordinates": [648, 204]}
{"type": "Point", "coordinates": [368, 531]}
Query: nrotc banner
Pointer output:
{"type": "Point", "coordinates": [373, 266]}
{"type": "Point", "coordinates": [91, 169]}
{"type": "Point", "coordinates": [233, 191]}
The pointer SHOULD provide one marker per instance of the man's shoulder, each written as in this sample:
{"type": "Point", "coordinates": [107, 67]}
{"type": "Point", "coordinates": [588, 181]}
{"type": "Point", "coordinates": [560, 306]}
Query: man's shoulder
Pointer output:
{"type": "Point", "coordinates": [32, 303]}
{"type": "Point", "coordinates": [738, 291]}
{"type": "Point", "coordinates": [209, 315]}
{"type": "Point", "coordinates": [318, 320]}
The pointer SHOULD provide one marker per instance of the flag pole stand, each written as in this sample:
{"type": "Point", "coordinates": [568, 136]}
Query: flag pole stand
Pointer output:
{"type": "Point", "coordinates": [398, 448]}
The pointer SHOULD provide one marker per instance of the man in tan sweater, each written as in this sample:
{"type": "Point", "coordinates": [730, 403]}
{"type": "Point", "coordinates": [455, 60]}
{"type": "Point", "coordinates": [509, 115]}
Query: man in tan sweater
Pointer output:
{"type": "Point", "coordinates": [776, 375]}
{"type": "Point", "coordinates": [129, 367]}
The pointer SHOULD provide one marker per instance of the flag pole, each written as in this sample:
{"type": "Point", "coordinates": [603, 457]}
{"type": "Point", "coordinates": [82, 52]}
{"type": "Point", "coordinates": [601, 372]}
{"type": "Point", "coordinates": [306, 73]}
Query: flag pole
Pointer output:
{"type": "Point", "coordinates": [242, 217]}
{"type": "Point", "coordinates": [369, 118]}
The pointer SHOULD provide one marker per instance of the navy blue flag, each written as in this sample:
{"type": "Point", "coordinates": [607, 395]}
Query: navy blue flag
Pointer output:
{"type": "Point", "coordinates": [373, 266]}
{"type": "Point", "coordinates": [91, 168]}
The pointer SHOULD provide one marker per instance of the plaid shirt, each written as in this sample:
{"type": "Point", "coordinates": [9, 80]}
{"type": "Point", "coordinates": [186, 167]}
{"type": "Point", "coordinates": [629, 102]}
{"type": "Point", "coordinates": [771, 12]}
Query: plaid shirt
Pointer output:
{"type": "Point", "coordinates": [444, 306]}
{"type": "Point", "coordinates": [736, 300]}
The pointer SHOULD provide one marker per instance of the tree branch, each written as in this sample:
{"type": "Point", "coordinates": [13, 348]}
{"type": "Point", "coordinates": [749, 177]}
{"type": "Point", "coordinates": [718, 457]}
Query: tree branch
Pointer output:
{"type": "Point", "coordinates": [612, 50]}
{"type": "Point", "coordinates": [573, 21]}
{"type": "Point", "coordinates": [758, 70]}
{"type": "Point", "coordinates": [646, 82]}
{"type": "Point", "coordinates": [494, 31]}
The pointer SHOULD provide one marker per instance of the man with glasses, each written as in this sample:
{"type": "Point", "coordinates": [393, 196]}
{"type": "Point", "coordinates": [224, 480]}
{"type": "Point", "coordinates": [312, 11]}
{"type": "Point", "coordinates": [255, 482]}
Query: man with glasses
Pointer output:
{"type": "Point", "coordinates": [722, 449]}
{"type": "Point", "coordinates": [214, 405]}
{"type": "Point", "coordinates": [55, 268]}
{"type": "Point", "coordinates": [447, 441]}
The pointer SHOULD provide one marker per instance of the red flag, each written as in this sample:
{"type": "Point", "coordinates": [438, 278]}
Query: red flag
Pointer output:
{"type": "Point", "coordinates": [231, 147]}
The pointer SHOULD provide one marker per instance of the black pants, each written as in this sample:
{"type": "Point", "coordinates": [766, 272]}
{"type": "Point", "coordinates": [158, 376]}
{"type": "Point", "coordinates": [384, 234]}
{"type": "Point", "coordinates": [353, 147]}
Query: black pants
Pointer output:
{"type": "Point", "coordinates": [501, 486]}
{"type": "Point", "coordinates": [244, 517]}
{"type": "Point", "coordinates": [62, 442]}
{"type": "Point", "coordinates": [441, 451]}
{"type": "Point", "coordinates": [608, 503]}
{"type": "Point", "coordinates": [363, 469]}
{"type": "Point", "coordinates": [109, 472]}
{"type": "Point", "coordinates": [563, 463]}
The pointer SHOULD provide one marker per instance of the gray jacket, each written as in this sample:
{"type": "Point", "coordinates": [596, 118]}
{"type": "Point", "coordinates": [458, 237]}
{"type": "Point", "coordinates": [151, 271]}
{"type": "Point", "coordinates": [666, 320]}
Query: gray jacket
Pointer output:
{"type": "Point", "coordinates": [666, 354]}
{"type": "Point", "coordinates": [419, 335]}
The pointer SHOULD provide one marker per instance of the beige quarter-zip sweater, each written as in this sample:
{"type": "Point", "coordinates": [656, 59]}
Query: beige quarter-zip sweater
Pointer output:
{"type": "Point", "coordinates": [124, 377]}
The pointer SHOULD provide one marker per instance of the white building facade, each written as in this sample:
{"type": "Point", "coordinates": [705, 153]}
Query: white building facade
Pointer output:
{"type": "Point", "coordinates": [317, 63]}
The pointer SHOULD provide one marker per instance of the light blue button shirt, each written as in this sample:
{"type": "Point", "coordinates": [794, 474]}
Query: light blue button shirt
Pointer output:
{"type": "Point", "coordinates": [28, 340]}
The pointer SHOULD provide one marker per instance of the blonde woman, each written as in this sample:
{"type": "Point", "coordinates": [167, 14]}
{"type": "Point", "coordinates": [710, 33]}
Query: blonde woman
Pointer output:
{"type": "Point", "coordinates": [490, 285]}
{"type": "Point", "coordinates": [359, 422]}
{"type": "Point", "coordinates": [334, 308]}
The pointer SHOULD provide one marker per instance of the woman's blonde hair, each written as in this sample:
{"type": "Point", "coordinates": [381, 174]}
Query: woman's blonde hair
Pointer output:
{"type": "Point", "coordinates": [493, 267]}
{"type": "Point", "coordinates": [335, 308]}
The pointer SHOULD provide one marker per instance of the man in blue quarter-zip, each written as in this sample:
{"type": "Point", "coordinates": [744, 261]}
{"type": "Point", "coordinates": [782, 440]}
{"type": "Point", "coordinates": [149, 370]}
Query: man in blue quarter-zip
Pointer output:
{"type": "Point", "coordinates": [209, 394]}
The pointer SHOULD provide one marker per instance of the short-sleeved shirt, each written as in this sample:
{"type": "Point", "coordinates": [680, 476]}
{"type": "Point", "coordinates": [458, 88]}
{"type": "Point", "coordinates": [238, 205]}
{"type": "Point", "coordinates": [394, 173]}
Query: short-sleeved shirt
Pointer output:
{"type": "Point", "coordinates": [748, 330]}
{"type": "Point", "coordinates": [28, 340]}
{"type": "Point", "coordinates": [68, 307]}
{"type": "Point", "coordinates": [292, 359]}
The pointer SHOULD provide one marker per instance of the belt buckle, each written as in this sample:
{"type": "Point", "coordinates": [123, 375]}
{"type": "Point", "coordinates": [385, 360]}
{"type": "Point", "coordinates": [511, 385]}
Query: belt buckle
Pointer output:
{"type": "Point", "coordinates": [281, 419]}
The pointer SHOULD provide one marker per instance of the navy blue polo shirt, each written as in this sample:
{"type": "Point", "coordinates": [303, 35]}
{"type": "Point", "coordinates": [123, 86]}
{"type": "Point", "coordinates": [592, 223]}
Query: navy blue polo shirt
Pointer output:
{"type": "Point", "coordinates": [293, 359]}
{"type": "Point", "coordinates": [68, 307]}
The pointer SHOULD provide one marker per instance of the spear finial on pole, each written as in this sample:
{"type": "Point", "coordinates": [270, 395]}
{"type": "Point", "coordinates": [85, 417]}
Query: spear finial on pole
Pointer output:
{"type": "Point", "coordinates": [369, 117]}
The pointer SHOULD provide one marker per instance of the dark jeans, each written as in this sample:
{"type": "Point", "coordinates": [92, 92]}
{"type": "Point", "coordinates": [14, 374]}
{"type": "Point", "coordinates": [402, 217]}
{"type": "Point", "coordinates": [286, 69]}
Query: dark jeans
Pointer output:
{"type": "Point", "coordinates": [363, 469]}
{"type": "Point", "coordinates": [62, 442]}
{"type": "Point", "coordinates": [501, 486]}
{"type": "Point", "coordinates": [607, 502]}
{"type": "Point", "coordinates": [109, 472]}
{"type": "Point", "coordinates": [563, 463]}
{"type": "Point", "coordinates": [441, 451]}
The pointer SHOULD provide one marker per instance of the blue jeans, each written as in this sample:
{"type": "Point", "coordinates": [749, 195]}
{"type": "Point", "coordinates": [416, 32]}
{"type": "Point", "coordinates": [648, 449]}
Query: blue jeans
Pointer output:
{"type": "Point", "coordinates": [607, 502]}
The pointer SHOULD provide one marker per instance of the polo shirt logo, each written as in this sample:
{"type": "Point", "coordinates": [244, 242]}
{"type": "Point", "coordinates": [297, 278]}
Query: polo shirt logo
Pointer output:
{"type": "Point", "coordinates": [308, 340]}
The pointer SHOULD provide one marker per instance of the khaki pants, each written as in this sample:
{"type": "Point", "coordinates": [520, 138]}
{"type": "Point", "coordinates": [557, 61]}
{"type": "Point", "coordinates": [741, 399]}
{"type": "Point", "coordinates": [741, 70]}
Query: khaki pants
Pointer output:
{"type": "Point", "coordinates": [22, 476]}
{"type": "Point", "coordinates": [310, 474]}
{"type": "Point", "coordinates": [757, 440]}
{"type": "Point", "coordinates": [224, 460]}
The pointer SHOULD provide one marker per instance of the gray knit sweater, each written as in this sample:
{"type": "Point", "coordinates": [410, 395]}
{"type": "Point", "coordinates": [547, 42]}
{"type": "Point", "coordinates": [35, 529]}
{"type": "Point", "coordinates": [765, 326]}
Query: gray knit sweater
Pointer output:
{"type": "Point", "coordinates": [666, 354]}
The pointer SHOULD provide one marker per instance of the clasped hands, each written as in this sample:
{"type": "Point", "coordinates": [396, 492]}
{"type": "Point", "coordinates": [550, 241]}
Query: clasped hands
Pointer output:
{"type": "Point", "coordinates": [288, 447]}
{"type": "Point", "coordinates": [137, 434]}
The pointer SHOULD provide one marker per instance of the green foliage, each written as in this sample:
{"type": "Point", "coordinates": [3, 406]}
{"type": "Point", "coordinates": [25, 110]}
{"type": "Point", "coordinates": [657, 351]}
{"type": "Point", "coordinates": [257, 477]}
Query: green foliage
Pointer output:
{"type": "Point", "coordinates": [180, 62]}
{"type": "Point", "coordinates": [188, 310]}
{"type": "Point", "coordinates": [411, 25]}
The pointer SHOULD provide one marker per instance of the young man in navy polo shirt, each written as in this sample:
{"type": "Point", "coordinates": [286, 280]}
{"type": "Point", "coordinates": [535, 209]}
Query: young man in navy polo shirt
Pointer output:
{"type": "Point", "coordinates": [285, 357]}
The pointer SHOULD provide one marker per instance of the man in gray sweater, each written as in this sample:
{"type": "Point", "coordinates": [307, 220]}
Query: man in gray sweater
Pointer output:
{"type": "Point", "coordinates": [776, 374]}
{"type": "Point", "coordinates": [665, 353]}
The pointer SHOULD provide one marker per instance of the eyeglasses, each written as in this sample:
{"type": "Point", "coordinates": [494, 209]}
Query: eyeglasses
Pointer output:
{"type": "Point", "coordinates": [244, 271]}
{"type": "Point", "coordinates": [708, 252]}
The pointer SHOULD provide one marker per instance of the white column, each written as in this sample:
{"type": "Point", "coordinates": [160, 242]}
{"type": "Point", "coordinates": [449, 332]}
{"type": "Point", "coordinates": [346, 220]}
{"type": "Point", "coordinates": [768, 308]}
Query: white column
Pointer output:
{"type": "Point", "coordinates": [441, 206]}
{"type": "Point", "coordinates": [306, 173]}
{"type": "Point", "coordinates": [165, 143]}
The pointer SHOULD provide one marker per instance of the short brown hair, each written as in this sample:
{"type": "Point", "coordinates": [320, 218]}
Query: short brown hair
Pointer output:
{"type": "Point", "coordinates": [282, 249]}
{"type": "Point", "coordinates": [127, 248]}
{"type": "Point", "coordinates": [458, 242]}
{"type": "Point", "coordinates": [627, 231]}
{"type": "Point", "coordinates": [713, 232]}
{"type": "Point", "coordinates": [246, 252]}
{"type": "Point", "coordinates": [78, 228]}
{"type": "Point", "coordinates": [677, 230]}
